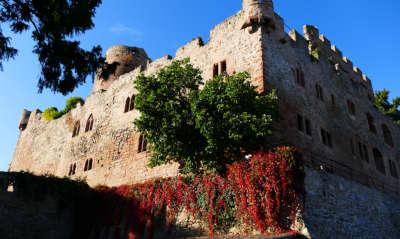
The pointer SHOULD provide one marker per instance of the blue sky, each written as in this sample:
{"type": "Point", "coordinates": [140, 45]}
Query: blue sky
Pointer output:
{"type": "Point", "coordinates": [366, 31]}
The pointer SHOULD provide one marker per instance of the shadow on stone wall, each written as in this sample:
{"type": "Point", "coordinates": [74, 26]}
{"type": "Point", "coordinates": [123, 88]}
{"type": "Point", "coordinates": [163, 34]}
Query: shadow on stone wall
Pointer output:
{"type": "Point", "coordinates": [45, 207]}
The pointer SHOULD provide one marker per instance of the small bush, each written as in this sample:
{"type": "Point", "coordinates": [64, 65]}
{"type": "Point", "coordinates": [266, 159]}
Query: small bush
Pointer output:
{"type": "Point", "coordinates": [72, 102]}
{"type": "Point", "coordinates": [51, 113]}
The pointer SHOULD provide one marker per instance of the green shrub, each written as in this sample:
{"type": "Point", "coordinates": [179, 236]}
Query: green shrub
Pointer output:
{"type": "Point", "coordinates": [51, 113]}
{"type": "Point", "coordinates": [72, 102]}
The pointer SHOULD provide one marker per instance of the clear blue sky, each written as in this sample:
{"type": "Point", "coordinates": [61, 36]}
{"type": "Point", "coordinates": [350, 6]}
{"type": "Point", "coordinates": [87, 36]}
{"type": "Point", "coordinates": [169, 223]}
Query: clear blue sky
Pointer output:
{"type": "Point", "coordinates": [367, 32]}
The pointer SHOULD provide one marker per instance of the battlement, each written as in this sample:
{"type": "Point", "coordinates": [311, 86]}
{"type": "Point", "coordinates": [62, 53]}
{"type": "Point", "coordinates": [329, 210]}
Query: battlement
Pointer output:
{"type": "Point", "coordinates": [314, 41]}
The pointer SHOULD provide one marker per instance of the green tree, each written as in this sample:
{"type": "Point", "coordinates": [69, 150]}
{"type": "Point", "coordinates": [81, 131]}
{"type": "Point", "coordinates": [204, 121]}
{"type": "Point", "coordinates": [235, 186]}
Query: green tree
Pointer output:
{"type": "Point", "coordinates": [201, 129]}
{"type": "Point", "coordinates": [53, 23]}
{"type": "Point", "coordinates": [388, 108]}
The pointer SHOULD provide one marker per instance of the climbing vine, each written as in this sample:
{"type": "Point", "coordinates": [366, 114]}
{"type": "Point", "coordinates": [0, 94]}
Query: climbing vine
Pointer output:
{"type": "Point", "coordinates": [261, 193]}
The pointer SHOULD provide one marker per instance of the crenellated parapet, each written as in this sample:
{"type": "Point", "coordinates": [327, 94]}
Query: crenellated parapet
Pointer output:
{"type": "Point", "coordinates": [319, 46]}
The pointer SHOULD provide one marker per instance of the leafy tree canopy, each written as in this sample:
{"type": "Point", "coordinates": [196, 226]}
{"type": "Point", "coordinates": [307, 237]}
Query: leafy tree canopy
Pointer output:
{"type": "Point", "coordinates": [65, 65]}
{"type": "Point", "coordinates": [202, 129]}
{"type": "Point", "coordinates": [388, 108]}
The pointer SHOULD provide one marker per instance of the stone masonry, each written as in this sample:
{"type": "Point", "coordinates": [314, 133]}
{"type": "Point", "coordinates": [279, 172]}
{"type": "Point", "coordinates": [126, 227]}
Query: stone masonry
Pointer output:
{"type": "Point", "coordinates": [326, 109]}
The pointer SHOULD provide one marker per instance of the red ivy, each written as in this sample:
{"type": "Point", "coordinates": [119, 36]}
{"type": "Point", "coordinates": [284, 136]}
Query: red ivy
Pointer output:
{"type": "Point", "coordinates": [263, 193]}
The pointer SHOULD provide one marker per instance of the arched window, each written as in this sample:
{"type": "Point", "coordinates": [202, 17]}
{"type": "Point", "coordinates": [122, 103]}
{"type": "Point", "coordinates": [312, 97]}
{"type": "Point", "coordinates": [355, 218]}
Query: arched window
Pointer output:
{"type": "Point", "coordinates": [387, 135]}
{"type": "Point", "coordinates": [86, 166]}
{"type": "Point", "coordinates": [299, 75]}
{"type": "Point", "coordinates": [371, 123]}
{"type": "Point", "coordinates": [70, 170]}
{"type": "Point", "coordinates": [127, 104]}
{"type": "Point", "coordinates": [379, 163]}
{"type": "Point", "coordinates": [89, 123]}
{"type": "Point", "coordinates": [90, 164]}
{"type": "Point", "coordinates": [77, 128]}
{"type": "Point", "coordinates": [142, 146]}
{"type": "Point", "coordinates": [132, 104]}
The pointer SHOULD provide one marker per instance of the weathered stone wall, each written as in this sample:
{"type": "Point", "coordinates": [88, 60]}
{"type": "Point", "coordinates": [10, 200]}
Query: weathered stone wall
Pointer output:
{"type": "Point", "coordinates": [340, 83]}
{"type": "Point", "coordinates": [338, 208]}
{"type": "Point", "coordinates": [27, 219]}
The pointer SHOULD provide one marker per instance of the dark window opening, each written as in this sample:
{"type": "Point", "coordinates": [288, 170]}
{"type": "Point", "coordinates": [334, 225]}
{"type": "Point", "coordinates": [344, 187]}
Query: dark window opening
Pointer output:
{"type": "Point", "coordinates": [333, 100]}
{"type": "Point", "coordinates": [300, 124]}
{"type": "Point", "coordinates": [371, 123]}
{"type": "Point", "coordinates": [88, 165]}
{"type": "Point", "coordinates": [77, 128]}
{"type": "Point", "coordinates": [223, 67]}
{"type": "Point", "coordinates": [215, 70]}
{"type": "Point", "coordinates": [363, 151]}
{"type": "Point", "coordinates": [379, 163]}
{"type": "Point", "coordinates": [127, 104]}
{"type": "Point", "coordinates": [387, 135]}
{"type": "Point", "coordinates": [393, 169]}
{"type": "Point", "coordinates": [320, 92]}
{"type": "Point", "coordinates": [132, 103]}
{"type": "Point", "coordinates": [142, 146]}
{"type": "Point", "coordinates": [351, 107]}
{"type": "Point", "coordinates": [72, 169]}
{"type": "Point", "coordinates": [89, 123]}
{"type": "Point", "coordinates": [299, 75]}
{"type": "Point", "coordinates": [304, 125]}
{"type": "Point", "coordinates": [326, 138]}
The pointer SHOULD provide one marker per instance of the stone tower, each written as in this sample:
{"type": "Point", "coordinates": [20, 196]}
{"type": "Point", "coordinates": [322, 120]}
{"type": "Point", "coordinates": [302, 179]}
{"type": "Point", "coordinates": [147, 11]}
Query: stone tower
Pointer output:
{"type": "Point", "coordinates": [258, 11]}
{"type": "Point", "coordinates": [120, 60]}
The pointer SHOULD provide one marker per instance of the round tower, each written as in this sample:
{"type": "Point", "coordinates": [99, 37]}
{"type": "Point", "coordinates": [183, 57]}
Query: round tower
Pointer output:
{"type": "Point", "coordinates": [119, 60]}
{"type": "Point", "coordinates": [258, 11]}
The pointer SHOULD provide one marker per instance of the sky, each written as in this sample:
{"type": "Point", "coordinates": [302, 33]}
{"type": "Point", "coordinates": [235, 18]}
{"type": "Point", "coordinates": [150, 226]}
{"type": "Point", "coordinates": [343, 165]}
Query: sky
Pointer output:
{"type": "Point", "coordinates": [366, 31]}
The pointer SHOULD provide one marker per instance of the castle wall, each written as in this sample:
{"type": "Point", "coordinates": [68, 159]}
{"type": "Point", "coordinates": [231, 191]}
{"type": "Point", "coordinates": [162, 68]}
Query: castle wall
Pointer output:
{"type": "Point", "coordinates": [340, 83]}
{"type": "Point", "coordinates": [338, 208]}
{"type": "Point", "coordinates": [49, 148]}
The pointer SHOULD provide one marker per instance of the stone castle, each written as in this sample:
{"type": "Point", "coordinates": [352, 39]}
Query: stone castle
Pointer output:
{"type": "Point", "coordinates": [351, 150]}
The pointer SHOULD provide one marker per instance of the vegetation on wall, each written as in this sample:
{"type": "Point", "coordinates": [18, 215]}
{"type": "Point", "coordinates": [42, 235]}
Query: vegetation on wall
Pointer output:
{"type": "Point", "coordinates": [52, 113]}
{"type": "Point", "coordinates": [202, 129]}
{"type": "Point", "coordinates": [260, 194]}
{"type": "Point", "coordinates": [388, 108]}
{"type": "Point", "coordinates": [314, 51]}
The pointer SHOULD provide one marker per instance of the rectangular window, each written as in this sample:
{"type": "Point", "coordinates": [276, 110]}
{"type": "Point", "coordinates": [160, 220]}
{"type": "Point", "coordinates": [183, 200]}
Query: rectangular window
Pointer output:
{"type": "Point", "coordinates": [215, 70]}
{"type": "Point", "coordinates": [300, 123]}
{"type": "Point", "coordinates": [363, 151]}
{"type": "Point", "coordinates": [320, 92]}
{"type": "Point", "coordinates": [308, 127]}
{"type": "Point", "coordinates": [223, 67]}
{"type": "Point", "coordinates": [333, 100]}
{"type": "Point", "coordinates": [299, 75]}
{"type": "Point", "coordinates": [326, 138]}
{"type": "Point", "coordinates": [371, 123]}
{"type": "Point", "coordinates": [351, 107]}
